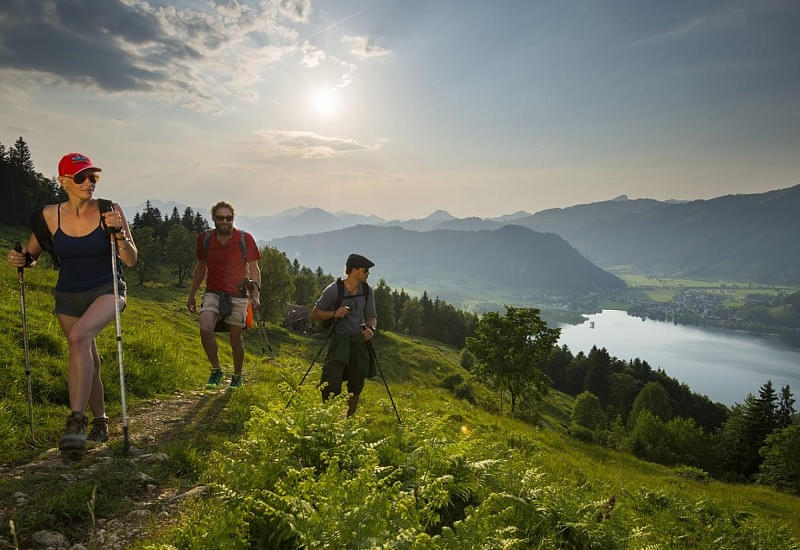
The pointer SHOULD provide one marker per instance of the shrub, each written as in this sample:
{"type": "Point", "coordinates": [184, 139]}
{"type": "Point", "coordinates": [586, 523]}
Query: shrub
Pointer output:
{"type": "Point", "coordinates": [467, 360]}
{"type": "Point", "coordinates": [581, 432]}
{"type": "Point", "coordinates": [781, 466]}
{"type": "Point", "coordinates": [465, 391]}
{"type": "Point", "coordinates": [691, 472]}
{"type": "Point", "coordinates": [451, 381]}
{"type": "Point", "coordinates": [587, 411]}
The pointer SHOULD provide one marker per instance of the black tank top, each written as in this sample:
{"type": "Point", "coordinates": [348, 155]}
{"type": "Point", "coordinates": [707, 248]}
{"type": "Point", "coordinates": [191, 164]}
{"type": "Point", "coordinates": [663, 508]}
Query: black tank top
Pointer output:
{"type": "Point", "coordinates": [85, 261]}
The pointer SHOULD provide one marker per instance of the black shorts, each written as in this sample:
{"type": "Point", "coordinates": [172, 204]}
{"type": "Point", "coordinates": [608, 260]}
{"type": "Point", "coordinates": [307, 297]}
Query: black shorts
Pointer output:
{"type": "Point", "coordinates": [334, 372]}
{"type": "Point", "coordinates": [75, 304]}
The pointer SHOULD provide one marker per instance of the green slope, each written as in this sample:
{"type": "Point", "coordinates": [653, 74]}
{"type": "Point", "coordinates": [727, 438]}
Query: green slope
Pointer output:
{"type": "Point", "coordinates": [454, 475]}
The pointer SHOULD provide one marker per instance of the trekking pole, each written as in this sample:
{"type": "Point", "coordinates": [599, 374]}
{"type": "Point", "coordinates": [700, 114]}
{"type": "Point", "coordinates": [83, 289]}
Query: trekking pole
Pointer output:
{"type": "Point", "coordinates": [380, 370]}
{"type": "Point", "coordinates": [263, 331]}
{"type": "Point", "coordinates": [322, 347]}
{"type": "Point", "coordinates": [21, 277]}
{"type": "Point", "coordinates": [126, 444]}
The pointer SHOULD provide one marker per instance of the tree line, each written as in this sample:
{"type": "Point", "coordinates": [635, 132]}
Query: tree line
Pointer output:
{"type": "Point", "coordinates": [25, 190]}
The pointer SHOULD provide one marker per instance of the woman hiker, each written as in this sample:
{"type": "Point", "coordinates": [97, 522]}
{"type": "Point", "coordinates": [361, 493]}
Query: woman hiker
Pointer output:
{"type": "Point", "coordinates": [84, 293]}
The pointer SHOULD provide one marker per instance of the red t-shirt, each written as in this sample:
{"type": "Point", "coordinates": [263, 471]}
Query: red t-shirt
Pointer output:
{"type": "Point", "coordinates": [224, 263]}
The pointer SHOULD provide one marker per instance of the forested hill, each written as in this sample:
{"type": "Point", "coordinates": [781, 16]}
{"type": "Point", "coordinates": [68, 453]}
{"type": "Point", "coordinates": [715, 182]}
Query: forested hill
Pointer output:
{"type": "Point", "coordinates": [736, 237]}
{"type": "Point", "coordinates": [511, 258]}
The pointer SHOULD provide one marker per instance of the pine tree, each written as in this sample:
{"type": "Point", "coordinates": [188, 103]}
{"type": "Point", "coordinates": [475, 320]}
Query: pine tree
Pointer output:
{"type": "Point", "coordinates": [785, 408]}
{"type": "Point", "coordinates": [187, 220]}
{"type": "Point", "coordinates": [383, 305]}
{"type": "Point", "coordinates": [20, 157]}
{"type": "Point", "coordinates": [760, 419]}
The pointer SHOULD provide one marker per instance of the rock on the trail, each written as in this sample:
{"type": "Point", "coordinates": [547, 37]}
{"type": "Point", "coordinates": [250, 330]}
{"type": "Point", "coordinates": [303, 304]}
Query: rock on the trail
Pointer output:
{"type": "Point", "coordinates": [20, 498]}
{"type": "Point", "coordinates": [50, 539]}
{"type": "Point", "coordinates": [195, 492]}
{"type": "Point", "coordinates": [49, 453]}
{"type": "Point", "coordinates": [135, 451]}
{"type": "Point", "coordinates": [154, 457]}
{"type": "Point", "coordinates": [143, 477]}
{"type": "Point", "coordinates": [138, 515]}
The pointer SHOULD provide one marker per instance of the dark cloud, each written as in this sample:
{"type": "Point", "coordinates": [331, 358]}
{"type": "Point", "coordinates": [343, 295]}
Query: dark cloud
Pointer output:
{"type": "Point", "coordinates": [81, 44]}
{"type": "Point", "coordinates": [123, 46]}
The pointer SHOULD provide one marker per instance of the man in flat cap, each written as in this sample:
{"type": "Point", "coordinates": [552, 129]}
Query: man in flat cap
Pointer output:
{"type": "Point", "coordinates": [350, 305]}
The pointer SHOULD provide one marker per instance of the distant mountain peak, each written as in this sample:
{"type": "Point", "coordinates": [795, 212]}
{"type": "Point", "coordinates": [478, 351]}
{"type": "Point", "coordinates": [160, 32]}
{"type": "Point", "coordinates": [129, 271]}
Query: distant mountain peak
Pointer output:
{"type": "Point", "coordinates": [620, 198]}
{"type": "Point", "coordinates": [440, 215]}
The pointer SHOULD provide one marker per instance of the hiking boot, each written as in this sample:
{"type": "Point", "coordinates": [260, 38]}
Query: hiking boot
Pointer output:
{"type": "Point", "coordinates": [99, 432]}
{"type": "Point", "coordinates": [74, 438]}
{"type": "Point", "coordinates": [236, 382]}
{"type": "Point", "coordinates": [215, 379]}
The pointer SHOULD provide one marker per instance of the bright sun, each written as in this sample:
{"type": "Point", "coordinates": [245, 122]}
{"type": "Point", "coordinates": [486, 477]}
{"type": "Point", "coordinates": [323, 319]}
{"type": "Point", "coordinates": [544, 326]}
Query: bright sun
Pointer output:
{"type": "Point", "coordinates": [324, 102]}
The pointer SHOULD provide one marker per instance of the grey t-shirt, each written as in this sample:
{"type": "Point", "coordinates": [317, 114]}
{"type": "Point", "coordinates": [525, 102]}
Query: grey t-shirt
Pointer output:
{"type": "Point", "coordinates": [350, 323]}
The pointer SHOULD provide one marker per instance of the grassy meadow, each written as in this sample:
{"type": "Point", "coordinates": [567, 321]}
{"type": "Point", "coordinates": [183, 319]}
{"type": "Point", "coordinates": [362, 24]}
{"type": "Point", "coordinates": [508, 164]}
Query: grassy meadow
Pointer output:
{"type": "Point", "coordinates": [455, 474]}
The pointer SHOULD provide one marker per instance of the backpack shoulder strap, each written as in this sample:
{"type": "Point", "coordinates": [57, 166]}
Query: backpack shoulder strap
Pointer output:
{"type": "Point", "coordinates": [43, 235]}
{"type": "Point", "coordinates": [206, 242]}
{"type": "Point", "coordinates": [366, 299]}
{"type": "Point", "coordinates": [243, 246]}
{"type": "Point", "coordinates": [42, 232]}
{"type": "Point", "coordinates": [105, 205]}
{"type": "Point", "coordinates": [339, 293]}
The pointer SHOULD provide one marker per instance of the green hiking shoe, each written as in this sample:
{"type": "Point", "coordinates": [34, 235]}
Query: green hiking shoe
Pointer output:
{"type": "Point", "coordinates": [236, 382]}
{"type": "Point", "coordinates": [74, 438]}
{"type": "Point", "coordinates": [214, 380]}
{"type": "Point", "coordinates": [99, 432]}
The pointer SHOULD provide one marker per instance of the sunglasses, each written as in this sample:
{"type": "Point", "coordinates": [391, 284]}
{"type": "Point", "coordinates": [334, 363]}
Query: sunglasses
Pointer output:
{"type": "Point", "coordinates": [80, 178]}
{"type": "Point", "coordinates": [224, 218]}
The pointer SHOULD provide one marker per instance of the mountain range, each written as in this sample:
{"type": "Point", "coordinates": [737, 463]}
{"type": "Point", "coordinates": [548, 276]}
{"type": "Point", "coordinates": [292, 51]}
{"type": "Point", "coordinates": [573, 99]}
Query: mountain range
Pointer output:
{"type": "Point", "coordinates": [735, 237]}
{"type": "Point", "coordinates": [303, 220]}
{"type": "Point", "coordinates": [511, 260]}
{"type": "Point", "coordinates": [751, 237]}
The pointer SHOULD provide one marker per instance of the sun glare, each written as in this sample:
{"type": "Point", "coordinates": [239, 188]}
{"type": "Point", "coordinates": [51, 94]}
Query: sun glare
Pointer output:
{"type": "Point", "coordinates": [324, 102]}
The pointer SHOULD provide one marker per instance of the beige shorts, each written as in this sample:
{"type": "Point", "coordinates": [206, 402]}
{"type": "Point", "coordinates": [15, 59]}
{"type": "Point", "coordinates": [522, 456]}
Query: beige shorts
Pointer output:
{"type": "Point", "coordinates": [238, 316]}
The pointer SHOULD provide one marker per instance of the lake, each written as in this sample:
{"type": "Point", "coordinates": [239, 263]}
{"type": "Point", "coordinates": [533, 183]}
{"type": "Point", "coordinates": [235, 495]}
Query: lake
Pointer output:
{"type": "Point", "coordinates": [725, 365]}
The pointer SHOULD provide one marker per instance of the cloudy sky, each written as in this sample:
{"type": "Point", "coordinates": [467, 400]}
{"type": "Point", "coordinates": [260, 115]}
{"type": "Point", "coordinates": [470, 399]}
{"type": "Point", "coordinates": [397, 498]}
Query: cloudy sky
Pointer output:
{"type": "Point", "coordinates": [398, 108]}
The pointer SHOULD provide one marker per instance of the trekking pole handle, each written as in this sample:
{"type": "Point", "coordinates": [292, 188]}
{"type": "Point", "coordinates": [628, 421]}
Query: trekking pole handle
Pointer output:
{"type": "Point", "coordinates": [18, 248]}
{"type": "Point", "coordinates": [28, 259]}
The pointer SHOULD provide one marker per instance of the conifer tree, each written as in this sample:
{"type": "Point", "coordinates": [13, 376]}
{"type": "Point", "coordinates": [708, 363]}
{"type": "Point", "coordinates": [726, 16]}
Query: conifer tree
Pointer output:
{"type": "Point", "coordinates": [384, 306]}
{"type": "Point", "coordinates": [785, 408]}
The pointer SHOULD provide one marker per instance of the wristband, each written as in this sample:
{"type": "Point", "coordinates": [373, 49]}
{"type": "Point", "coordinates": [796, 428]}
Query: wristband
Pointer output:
{"type": "Point", "coordinates": [28, 259]}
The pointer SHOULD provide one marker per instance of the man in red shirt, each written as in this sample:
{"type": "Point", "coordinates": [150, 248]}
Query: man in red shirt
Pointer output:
{"type": "Point", "coordinates": [225, 259]}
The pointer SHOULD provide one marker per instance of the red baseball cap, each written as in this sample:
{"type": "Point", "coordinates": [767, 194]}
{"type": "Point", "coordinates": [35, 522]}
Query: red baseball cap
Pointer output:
{"type": "Point", "coordinates": [73, 163]}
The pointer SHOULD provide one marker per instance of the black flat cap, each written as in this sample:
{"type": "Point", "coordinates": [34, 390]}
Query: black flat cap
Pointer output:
{"type": "Point", "coordinates": [357, 260]}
